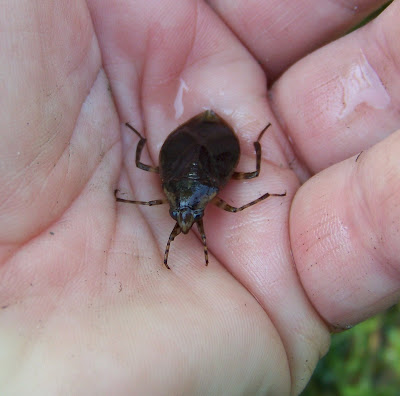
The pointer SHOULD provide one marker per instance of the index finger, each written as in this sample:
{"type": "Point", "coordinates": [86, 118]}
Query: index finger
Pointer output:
{"type": "Point", "coordinates": [278, 33]}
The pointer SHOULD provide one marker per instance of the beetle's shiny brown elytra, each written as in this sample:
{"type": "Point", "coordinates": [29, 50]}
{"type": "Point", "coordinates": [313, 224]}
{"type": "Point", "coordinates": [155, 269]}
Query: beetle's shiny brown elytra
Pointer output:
{"type": "Point", "coordinates": [196, 160]}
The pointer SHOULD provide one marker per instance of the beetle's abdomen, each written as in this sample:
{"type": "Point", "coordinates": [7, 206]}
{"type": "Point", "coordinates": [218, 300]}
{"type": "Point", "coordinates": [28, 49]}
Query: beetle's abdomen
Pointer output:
{"type": "Point", "coordinates": [204, 149]}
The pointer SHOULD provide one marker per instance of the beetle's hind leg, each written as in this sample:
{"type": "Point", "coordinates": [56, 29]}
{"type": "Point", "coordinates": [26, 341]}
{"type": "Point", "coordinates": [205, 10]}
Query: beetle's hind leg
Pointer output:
{"type": "Point", "coordinates": [148, 203]}
{"type": "Point", "coordinates": [139, 149]}
{"type": "Point", "coordinates": [225, 206]}
{"type": "Point", "coordinates": [203, 238]}
{"type": "Point", "coordinates": [257, 147]}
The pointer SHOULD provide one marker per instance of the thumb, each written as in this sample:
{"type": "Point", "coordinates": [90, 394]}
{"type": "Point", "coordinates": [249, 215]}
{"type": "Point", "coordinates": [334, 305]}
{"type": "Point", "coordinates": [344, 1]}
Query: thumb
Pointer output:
{"type": "Point", "coordinates": [345, 233]}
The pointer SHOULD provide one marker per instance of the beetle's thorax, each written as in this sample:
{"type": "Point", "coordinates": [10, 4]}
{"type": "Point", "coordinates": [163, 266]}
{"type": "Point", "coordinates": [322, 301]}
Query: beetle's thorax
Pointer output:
{"type": "Point", "coordinates": [187, 200]}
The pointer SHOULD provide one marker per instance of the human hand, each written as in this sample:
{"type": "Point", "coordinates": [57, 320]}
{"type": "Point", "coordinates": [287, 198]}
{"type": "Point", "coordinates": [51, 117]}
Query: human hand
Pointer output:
{"type": "Point", "coordinates": [87, 305]}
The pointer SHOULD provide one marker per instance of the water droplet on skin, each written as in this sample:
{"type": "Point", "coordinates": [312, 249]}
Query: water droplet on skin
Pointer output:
{"type": "Point", "coordinates": [360, 85]}
{"type": "Point", "coordinates": [178, 103]}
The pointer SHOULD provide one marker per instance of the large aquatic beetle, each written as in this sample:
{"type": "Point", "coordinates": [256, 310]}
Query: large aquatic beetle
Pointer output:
{"type": "Point", "coordinates": [196, 160]}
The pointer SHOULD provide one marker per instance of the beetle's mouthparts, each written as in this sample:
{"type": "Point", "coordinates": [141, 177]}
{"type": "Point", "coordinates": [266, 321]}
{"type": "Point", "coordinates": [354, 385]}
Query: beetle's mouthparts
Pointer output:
{"type": "Point", "coordinates": [185, 219]}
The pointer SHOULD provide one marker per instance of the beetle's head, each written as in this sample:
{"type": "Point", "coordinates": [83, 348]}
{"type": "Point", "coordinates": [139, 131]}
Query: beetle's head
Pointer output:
{"type": "Point", "coordinates": [186, 217]}
{"type": "Point", "coordinates": [187, 200]}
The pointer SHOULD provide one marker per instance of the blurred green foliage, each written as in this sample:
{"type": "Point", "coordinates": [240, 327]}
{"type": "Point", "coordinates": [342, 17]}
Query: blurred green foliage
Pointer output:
{"type": "Point", "coordinates": [363, 361]}
{"type": "Point", "coordinates": [373, 15]}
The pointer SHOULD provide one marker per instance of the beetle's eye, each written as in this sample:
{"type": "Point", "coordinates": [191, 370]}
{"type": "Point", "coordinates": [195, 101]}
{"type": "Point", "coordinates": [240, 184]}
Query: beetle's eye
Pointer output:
{"type": "Point", "coordinates": [198, 215]}
{"type": "Point", "coordinates": [173, 214]}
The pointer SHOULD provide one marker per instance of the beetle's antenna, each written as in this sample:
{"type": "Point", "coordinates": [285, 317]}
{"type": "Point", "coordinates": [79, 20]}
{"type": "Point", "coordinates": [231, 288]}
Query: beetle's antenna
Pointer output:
{"type": "Point", "coordinates": [263, 131]}
{"type": "Point", "coordinates": [203, 238]}
{"type": "Point", "coordinates": [175, 232]}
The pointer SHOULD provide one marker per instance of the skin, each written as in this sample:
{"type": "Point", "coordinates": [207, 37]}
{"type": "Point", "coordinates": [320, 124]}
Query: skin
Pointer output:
{"type": "Point", "coordinates": [87, 306]}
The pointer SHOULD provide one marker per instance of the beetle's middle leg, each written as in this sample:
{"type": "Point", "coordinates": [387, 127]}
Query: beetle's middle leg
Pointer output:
{"type": "Point", "coordinates": [257, 147]}
{"type": "Point", "coordinates": [148, 203]}
{"type": "Point", "coordinates": [224, 205]}
{"type": "Point", "coordinates": [139, 149]}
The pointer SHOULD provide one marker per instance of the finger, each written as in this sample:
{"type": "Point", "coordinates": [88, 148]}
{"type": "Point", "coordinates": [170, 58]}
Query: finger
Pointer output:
{"type": "Point", "coordinates": [344, 229]}
{"type": "Point", "coordinates": [49, 75]}
{"type": "Point", "coordinates": [163, 76]}
{"type": "Point", "coordinates": [279, 33]}
{"type": "Point", "coordinates": [254, 245]}
{"type": "Point", "coordinates": [345, 97]}
{"type": "Point", "coordinates": [174, 65]}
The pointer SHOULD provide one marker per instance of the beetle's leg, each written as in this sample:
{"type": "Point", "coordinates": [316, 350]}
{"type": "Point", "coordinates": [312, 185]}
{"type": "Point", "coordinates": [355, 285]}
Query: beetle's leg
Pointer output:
{"type": "Point", "coordinates": [257, 146]}
{"type": "Point", "coordinates": [148, 203]}
{"type": "Point", "coordinates": [224, 205]}
{"type": "Point", "coordinates": [139, 149]}
{"type": "Point", "coordinates": [203, 238]}
{"type": "Point", "coordinates": [175, 232]}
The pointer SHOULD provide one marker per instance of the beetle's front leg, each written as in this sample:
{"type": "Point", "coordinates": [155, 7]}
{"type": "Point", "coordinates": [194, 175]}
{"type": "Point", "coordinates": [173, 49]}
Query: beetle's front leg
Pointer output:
{"type": "Point", "coordinates": [175, 232]}
{"type": "Point", "coordinates": [203, 238]}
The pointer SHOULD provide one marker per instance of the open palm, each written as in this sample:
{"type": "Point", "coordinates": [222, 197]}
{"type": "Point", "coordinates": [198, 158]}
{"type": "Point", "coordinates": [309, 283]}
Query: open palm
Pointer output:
{"type": "Point", "coordinates": [87, 306]}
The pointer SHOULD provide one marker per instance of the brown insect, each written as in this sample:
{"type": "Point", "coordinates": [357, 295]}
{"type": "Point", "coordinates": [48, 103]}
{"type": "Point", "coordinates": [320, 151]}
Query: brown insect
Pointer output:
{"type": "Point", "coordinates": [196, 160]}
